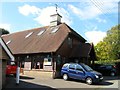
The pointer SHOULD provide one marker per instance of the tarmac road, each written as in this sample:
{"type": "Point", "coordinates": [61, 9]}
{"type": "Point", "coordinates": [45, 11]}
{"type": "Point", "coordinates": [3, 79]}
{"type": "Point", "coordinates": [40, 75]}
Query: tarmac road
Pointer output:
{"type": "Point", "coordinates": [39, 79]}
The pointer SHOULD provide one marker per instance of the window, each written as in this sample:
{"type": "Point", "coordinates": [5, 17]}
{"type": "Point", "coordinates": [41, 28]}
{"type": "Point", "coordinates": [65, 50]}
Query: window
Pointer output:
{"type": "Point", "coordinates": [78, 67]}
{"type": "Point", "coordinates": [13, 63]}
{"type": "Point", "coordinates": [28, 34]}
{"type": "Point", "coordinates": [108, 67]}
{"type": "Point", "coordinates": [65, 66]}
{"type": "Point", "coordinates": [87, 67]}
{"type": "Point", "coordinates": [47, 61]}
{"type": "Point", "coordinates": [8, 42]}
{"type": "Point", "coordinates": [54, 29]}
{"type": "Point", "coordinates": [41, 32]}
{"type": "Point", "coordinates": [70, 42]}
{"type": "Point", "coordinates": [72, 66]}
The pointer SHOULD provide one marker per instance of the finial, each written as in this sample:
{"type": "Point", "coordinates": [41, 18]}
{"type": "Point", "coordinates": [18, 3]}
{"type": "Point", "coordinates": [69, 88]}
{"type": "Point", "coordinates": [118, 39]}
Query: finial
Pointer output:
{"type": "Point", "coordinates": [56, 7]}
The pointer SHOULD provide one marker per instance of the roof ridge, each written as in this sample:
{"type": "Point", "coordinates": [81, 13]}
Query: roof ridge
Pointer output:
{"type": "Point", "coordinates": [24, 31]}
{"type": "Point", "coordinates": [74, 32]}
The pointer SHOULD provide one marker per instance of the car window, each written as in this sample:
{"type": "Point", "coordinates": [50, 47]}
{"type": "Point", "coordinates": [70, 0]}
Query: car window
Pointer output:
{"type": "Point", "coordinates": [11, 63]}
{"type": "Point", "coordinates": [86, 67]}
{"type": "Point", "coordinates": [108, 67]}
{"type": "Point", "coordinates": [72, 66]}
{"type": "Point", "coordinates": [102, 67]}
{"type": "Point", "coordinates": [65, 66]}
{"type": "Point", "coordinates": [78, 67]}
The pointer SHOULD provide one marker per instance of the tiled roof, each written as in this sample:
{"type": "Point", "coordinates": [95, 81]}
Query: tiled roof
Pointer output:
{"type": "Point", "coordinates": [38, 40]}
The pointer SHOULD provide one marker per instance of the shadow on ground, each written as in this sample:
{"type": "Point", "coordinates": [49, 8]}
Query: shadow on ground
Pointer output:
{"type": "Point", "coordinates": [103, 83]}
{"type": "Point", "coordinates": [26, 77]}
{"type": "Point", "coordinates": [11, 84]}
{"type": "Point", "coordinates": [112, 78]}
{"type": "Point", "coordinates": [31, 86]}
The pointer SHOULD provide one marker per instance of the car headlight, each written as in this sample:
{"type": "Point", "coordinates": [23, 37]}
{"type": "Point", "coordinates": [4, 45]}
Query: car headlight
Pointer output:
{"type": "Point", "coordinates": [96, 76]}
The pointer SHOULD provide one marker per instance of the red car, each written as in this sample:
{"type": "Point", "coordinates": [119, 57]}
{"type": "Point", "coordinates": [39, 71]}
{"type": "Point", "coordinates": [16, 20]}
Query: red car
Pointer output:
{"type": "Point", "coordinates": [11, 68]}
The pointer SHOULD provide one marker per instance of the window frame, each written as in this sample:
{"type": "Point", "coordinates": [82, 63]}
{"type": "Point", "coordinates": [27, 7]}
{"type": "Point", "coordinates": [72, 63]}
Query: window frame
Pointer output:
{"type": "Point", "coordinates": [54, 29]}
{"type": "Point", "coordinates": [72, 68]}
{"type": "Point", "coordinates": [80, 69]}
{"type": "Point", "coordinates": [70, 42]}
{"type": "Point", "coordinates": [29, 34]}
{"type": "Point", "coordinates": [41, 32]}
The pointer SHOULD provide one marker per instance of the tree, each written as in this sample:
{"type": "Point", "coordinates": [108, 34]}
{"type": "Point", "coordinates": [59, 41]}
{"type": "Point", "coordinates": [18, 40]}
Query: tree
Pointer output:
{"type": "Point", "coordinates": [102, 51]}
{"type": "Point", "coordinates": [109, 48]}
{"type": "Point", "coordinates": [113, 41]}
{"type": "Point", "coordinates": [3, 31]}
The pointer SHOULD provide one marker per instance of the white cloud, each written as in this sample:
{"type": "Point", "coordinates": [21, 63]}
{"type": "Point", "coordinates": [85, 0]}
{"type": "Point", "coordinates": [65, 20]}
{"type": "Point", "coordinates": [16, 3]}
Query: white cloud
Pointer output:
{"type": "Point", "coordinates": [93, 8]}
{"type": "Point", "coordinates": [101, 20]}
{"type": "Point", "coordinates": [65, 16]}
{"type": "Point", "coordinates": [85, 13]}
{"type": "Point", "coordinates": [27, 9]}
{"type": "Point", "coordinates": [44, 17]}
{"type": "Point", "coordinates": [5, 26]}
{"type": "Point", "coordinates": [43, 14]}
{"type": "Point", "coordinates": [95, 36]}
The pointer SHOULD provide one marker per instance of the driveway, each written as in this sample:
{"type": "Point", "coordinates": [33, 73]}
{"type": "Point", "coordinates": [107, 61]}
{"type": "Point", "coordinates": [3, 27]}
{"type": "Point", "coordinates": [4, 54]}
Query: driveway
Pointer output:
{"type": "Point", "coordinates": [39, 79]}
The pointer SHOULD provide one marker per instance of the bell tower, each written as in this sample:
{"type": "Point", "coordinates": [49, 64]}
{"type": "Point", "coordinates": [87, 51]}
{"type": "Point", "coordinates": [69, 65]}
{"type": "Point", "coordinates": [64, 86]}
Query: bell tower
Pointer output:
{"type": "Point", "coordinates": [55, 18]}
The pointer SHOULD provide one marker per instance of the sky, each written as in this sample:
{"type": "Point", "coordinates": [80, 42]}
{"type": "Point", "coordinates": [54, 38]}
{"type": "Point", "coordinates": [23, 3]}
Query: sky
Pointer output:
{"type": "Point", "coordinates": [90, 18]}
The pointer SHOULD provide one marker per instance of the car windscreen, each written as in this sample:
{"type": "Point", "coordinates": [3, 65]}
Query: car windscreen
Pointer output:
{"type": "Point", "coordinates": [87, 68]}
{"type": "Point", "coordinates": [11, 63]}
{"type": "Point", "coordinates": [65, 66]}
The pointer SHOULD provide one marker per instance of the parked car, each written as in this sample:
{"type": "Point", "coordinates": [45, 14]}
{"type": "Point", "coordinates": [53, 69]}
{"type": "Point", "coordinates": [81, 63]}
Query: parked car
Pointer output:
{"type": "Point", "coordinates": [80, 72]}
{"type": "Point", "coordinates": [11, 68]}
{"type": "Point", "coordinates": [106, 69]}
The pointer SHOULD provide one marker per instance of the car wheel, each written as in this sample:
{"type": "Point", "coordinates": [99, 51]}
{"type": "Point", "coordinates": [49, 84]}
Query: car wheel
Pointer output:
{"type": "Point", "coordinates": [112, 73]}
{"type": "Point", "coordinates": [65, 76]}
{"type": "Point", "coordinates": [89, 80]}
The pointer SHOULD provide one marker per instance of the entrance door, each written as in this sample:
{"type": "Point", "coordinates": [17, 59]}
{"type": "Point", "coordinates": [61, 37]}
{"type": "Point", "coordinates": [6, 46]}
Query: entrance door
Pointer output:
{"type": "Point", "coordinates": [41, 65]}
{"type": "Point", "coordinates": [38, 64]}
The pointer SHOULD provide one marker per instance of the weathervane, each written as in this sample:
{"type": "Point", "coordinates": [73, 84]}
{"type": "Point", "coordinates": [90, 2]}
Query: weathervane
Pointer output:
{"type": "Point", "coordinates": [56, 7]}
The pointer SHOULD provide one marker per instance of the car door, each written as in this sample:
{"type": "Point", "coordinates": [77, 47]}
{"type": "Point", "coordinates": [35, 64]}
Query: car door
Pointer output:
{"type": "Point", "coordinates": [103, 70]}
{"type": "Point", "coordinates": [108, 69]}
{"type": "Point", "coordinates": [80, 74]}
{"type": "Point", "coordinates": [71, 71]}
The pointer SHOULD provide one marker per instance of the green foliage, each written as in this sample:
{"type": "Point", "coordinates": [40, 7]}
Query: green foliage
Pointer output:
{"type": "Point", "coordinates": [107, 61]}
{"type": "Point", "coordinates": [102, 51]}
{"type": "Point", "coordinates": [3, 31]}
{"type": "Point", "coordinates": [109, 48]}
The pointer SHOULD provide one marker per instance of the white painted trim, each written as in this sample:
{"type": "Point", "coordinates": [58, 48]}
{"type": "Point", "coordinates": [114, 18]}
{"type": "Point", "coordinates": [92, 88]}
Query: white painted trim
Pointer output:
{"type": "Point", "coordinates": [7, 50]}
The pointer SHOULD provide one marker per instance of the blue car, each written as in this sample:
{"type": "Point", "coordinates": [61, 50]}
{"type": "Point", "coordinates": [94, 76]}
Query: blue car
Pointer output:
{"type": "Point", "coordinates": [81, 72]}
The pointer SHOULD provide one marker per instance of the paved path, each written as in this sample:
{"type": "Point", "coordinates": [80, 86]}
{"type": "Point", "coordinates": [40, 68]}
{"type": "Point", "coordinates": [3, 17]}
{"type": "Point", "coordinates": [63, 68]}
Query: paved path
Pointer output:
{"type": "Point", "coordinates": [38, 79]}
